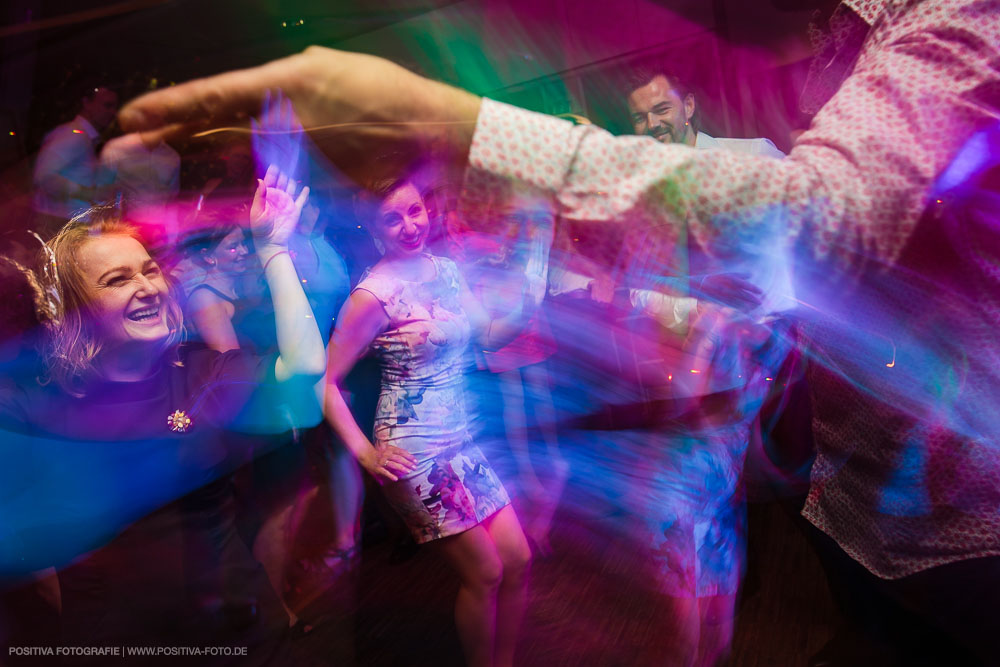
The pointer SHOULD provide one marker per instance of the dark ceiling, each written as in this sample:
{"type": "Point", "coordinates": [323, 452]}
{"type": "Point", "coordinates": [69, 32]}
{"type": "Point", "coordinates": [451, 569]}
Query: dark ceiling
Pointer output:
{"type": "Point", "coordinates": [177, 35]}
{"type": "Point", "coordinates": [50, 47]}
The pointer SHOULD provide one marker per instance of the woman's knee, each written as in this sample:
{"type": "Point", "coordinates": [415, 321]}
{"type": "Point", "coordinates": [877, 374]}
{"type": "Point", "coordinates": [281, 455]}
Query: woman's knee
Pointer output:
{"type": "Point", "coordinates": [511, 544]}
{"type": "Point", "coordinates": [516, 560]}
{"type": "Point", "coordinates": [487, 574]}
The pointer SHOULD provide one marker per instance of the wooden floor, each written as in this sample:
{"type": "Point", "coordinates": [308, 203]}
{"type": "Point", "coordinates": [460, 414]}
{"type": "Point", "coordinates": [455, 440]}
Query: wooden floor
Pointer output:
{"type": "Point", "coordinates": [588, 603]}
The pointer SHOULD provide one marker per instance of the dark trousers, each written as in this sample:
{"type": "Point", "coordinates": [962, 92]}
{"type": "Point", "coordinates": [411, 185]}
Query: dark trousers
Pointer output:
{"type": "Point", "coordinates": [946, 615]}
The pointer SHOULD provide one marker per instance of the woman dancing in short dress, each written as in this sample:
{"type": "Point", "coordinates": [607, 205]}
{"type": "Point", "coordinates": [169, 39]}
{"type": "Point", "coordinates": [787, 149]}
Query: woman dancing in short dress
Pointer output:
{"type": "Point", "coordinates": [417, 313]}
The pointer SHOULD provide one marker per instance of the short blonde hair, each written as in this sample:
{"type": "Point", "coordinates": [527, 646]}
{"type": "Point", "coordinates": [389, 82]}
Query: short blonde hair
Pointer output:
{"type": "Point", "coordinates": [71, 343]}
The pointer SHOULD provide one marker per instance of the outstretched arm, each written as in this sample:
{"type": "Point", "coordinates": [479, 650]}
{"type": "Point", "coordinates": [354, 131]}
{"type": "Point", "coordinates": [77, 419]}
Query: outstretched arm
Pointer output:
{"type": "Point", "coordinates": [851, 189]}
{"type": "Point", "coordinates": [848, 196]}
{"type": "Point", "coordinates": [354, 106]}
{"type": "Point", "coordinates": [273, 216]}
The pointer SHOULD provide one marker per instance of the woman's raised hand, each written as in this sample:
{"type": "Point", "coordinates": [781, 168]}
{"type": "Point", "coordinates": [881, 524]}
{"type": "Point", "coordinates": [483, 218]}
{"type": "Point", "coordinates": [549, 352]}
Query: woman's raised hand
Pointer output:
{"type": "Point", "coordinates": [277, 143]}
{"type": "Point", "coordinates": [275, 210]}
{"type": "Point", "coordinates": [276, 137]}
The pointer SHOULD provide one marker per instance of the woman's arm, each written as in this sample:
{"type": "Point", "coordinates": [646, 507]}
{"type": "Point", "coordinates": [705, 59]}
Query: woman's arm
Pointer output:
{"type": "Point", "coordinates": [361, 320]}
{"type": "Point", "coordinates": [212, 317]}
{"type": "Point", "coordinates": [273, 217]}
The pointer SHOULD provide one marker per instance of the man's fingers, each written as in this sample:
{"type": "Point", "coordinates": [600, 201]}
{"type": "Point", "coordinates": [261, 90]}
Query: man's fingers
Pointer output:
{"type": "Point", "coordinates": [171, 133]}
{"type": "Point", "coordinates": [215, 99]}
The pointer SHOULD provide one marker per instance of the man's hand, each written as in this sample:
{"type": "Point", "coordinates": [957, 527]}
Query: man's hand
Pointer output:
{"type": "Point", "coordinates": [354, 106]}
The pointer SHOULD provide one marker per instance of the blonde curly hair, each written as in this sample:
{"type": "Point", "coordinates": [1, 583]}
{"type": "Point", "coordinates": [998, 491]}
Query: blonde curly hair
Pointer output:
{"type": "Point", "coordinates": [72, 344]}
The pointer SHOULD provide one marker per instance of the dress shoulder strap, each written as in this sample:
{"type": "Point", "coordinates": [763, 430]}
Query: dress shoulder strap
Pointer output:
{"type": "Point", "coordinates": [212, 289]}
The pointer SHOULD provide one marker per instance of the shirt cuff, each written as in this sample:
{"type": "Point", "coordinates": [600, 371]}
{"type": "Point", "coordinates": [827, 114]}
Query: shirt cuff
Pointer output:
{"type": "Point", "coordinates": [519, 147]}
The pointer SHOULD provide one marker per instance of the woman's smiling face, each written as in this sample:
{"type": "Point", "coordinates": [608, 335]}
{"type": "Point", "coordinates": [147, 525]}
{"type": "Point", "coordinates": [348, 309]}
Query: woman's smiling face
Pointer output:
{"type": "Point", "coordinates": [230, 255]}
{"type": "Point", "coordinates": [126, 290]}
{"type": "Point", "coordinates": [401, 222]}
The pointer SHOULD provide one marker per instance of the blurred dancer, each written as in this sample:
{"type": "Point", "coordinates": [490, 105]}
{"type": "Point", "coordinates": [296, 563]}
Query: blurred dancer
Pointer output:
{"type": "Point", "coordinates": [148, 177]}
{"type": "Point", "coordinates": [323, 532]}
{"type": "Point", "coordinates": [497, 279]}
{"type": "Point", "coordinates": [694, 504]}
{"type": "Point", "coordinates": [215, 258]}
{"type": "Point", "coordinates": [68, 175]}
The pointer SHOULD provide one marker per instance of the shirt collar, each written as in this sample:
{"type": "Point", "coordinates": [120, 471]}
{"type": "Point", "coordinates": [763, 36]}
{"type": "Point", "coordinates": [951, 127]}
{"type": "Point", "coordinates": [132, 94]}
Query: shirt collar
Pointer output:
{"type": "Point", "coordinates": [703, 141]}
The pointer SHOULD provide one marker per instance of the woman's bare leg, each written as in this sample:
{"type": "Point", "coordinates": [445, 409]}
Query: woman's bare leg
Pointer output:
{"type": "Point", "coordinates": [673, 638]}
{"type": "Point", "coordinates": [515, 428]}
{"type": "Point", "coordinates": [270, 548]}
{"type": "Point", "coordinates": [536, 389]}
{"type": "Point", "coordinates": [347, 492]}
{"type": "Point", "coordinates": [512, 596]}
{"type": "Point", "coordinates": [716, 631]}
{"type": "Point", "coordinates": [474, 558]}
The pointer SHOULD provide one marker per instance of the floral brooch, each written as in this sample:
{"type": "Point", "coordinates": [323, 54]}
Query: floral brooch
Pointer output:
{"type": "Point", "coordinates": [179, 422]}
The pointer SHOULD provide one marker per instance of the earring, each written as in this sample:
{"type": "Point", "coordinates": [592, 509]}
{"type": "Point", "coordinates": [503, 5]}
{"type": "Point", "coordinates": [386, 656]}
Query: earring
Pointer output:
{"type": "Point", "coordinates": [379, 245]}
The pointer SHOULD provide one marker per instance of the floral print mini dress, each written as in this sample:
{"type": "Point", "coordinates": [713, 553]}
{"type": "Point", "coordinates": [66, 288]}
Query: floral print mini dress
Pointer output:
{"type": "Point", "coordinates": [421, 406]}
